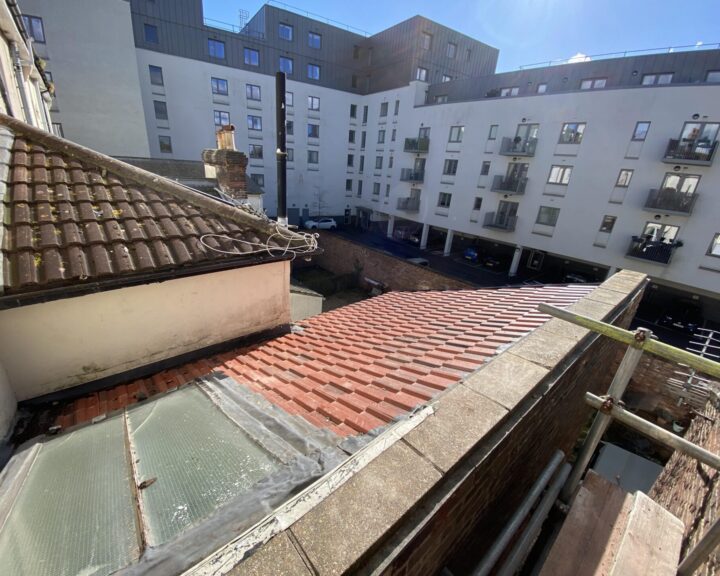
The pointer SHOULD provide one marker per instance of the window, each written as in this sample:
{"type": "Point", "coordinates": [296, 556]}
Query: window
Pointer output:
{"type": "Point", "coordinates": [359, 191]}
{"type": "Point", "coordinates": [290, 128]}
{"type": "Point", "coordinates": [541, 88]}
{"type": "Point", "coordinates": [285, 32]}
{"type": "Point", "coordinates": [393, 134]}
{"type": "Point", "coordinates": [219, 86]}
{"type": "Point", "coordinates": [362, 164]}
{"type": "Point", "coordinates": [713, 76]}
{"type": "Point", "coordinates": [477, 204]}
{"type": "Point", "coordinates": [363, 136]}
{"type": "Point", "coordinates": [390, 162]}
{"type": "Point", "coordinates": [451, 50]}
{"type": "Point", "coordinates": [34, 28]}
{"type": "Point", "coordinates": [156, 76]}
{"type": "Point", "coordinates": [313, 103]}
{"type": "Point", "coordinates": [641, 130]}
{"type": "Point", "coordinates": [348, 185]}
{"type": "Point", "coordinates": [256, 151]}
{"type": "Point", "coordinates": [356, 52]}
{"type": "Point", "coordinates": [365, 114]}
{"type": "Point", "coordinates": [387, 191]}
{"type": "Point", "coordinates": [151, 34]}
{"type": "Point", "coordinates": [252, 92]}
{"type": "Point", "coordinates": [426, 40]}
{"type": "Point", "coordinates": [313, 130]}
{"type": "Point", "coordinates": [351, 136]}
{"type": "Point", "coordinates": [623, 179]}
{"type": "Point", "coordinates": [351, 160]}
{"type": "Point", "coordinates": [353, 110]}
{"type": "Point", "coordinates": [58, 129]}
{"type": "Point", "coordinates": [252, 57]}
{"type": "Point", "coordinates": [313, 71]}
{"type": "Point", "coordinates": [397, 107]}
{"type": "Point", "coordinates": [446, 78]}
{"type": "Point", "coordinates": [221, 117]}
{"type": "Point", "coordinates": [376, 189]}
{"type": "Point", "coordinates": [456, 133]}
{"type": "Point", "coordinates": [650, 79]}
{"type": "Point", "coordinates": [421, 74]}
{"type": "Point", "coordinates": [492, 135]}
{"type": "Point", "coordinates": [290, 154]}
{"type": "Point", "coordinates": [593, 83]}
{"type": "Point", "coordinates": [547, 216]}
{"type": "Point", "coordinates": [378, 162]}
{"type": "Point", "coordinates": [161, 112]}
{"type": "Point", "coordinates": [383, 109]}
{"type": "Point", "coordinates": [572, 133]}
{"type": "Point", "coordinates": [259, 179]}
{"type": "Point", "coordinates": [714, 249]}
{"type": "Point", "coordinates": [314, 40]}
{"type": "Point", "coordinates": [254, 122]}
{"type": "Point", "coordinates": [512, 91]}
{"type": "Point", "coordinates": [559, 175]}
{"type": "Point", "coordinates": [686, 184]}
{"type": "Point", "coordinates": [485, 169]}
{"type": "Point", "coordinates": [607, 224]}
{"type": "Point", "coordinates": [441, 99]}
{"type": "Point", "coordinates": [450, 167]}
{"type": "Point", "coordinates": [444, 199]}
{"type": "Point", "coordinates": [289, 99]}
{"type": "Point", "coordinates": [381, 137]}
{"type": "Point", "coordinates": [313, 156]}
{"type": "Point", "coordinates": [286, 65]}
{"type": "Point", "coordinates": [165, 144]}
{"type": "Point", "coordinates": [216, 49]}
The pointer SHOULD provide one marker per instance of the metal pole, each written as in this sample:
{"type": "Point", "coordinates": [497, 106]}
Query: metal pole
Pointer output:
{"type": "Point", "coordinates": [699, 554]}
{"type": "Point", "coordinates": [281, 151]}
{"type": "Point", "coordinates": [652, 431]}
{"type": "Point", "coordinates": [524, 544]}
{"type": "Point", "coordinates": [508, 532]}
{"type": "Point", "coordinates": [602, 421]}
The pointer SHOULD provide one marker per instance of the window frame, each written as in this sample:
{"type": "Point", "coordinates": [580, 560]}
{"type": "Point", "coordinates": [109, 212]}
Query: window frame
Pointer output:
{"type": "Point", "coordinates": [635, 137]}
{"type": "Point", "coordinates": [553, 210]}
{"type": "Point", "coordinates": [381, 137]}
{"type": "Point", "coordinates": [459, 134]}
{"type": "Point", "coordinates": [215, 84]}
{"type": "Point", "coordinates": [656, 77]}
{"type": "Point", "coordinates": [163, 106]}
{"type": "Point", "coordinates": [311, 101]}
{"type": "Point", "coordinates": [421, 74]}
{"type": "Point", "coordinates": [313, 130]}
{"type": "Point", "coordinates": [221, 114]}
{"type": "Point", "coordinates": [714, 243]}
{"type": "Point", "coordinates": [631, 171]}
{"type": "Point", "coordinates": [313, 154]}
{"type": "Point", "coordinates": [451, 50]}
{"type": "Point", "coordinates": [711, 73]}
{"type": "Point", "coordinates": [477, 204]}
{"type": "Point", "coordinates": [607, 228]}
{"type": "Point", "coordinates": [311, 36]}
{"type": "Point", "coordinates": [167, 147]}
{"type": "Point", "coordinates": [218, 44]}
{"type": "Point", "coordinates": [427, 39]}
{"type": "Point", "coordinates": [542, 85]}
{"type": "Point", "coordinates": [378, 162]}
{"type": "Point", "coordinates": [251, 90]}
{"type": "Point", "coordinates": [157, 70]}
{"type": "Point", "coordinates": [259, 179]}
{"type": "Point", "coordinates": [290, 127]}
{"type": "Point", "coordinates": [286, 60]}
{"type": "Point", "coordinates": [153, 29]}
{"type": "Point", "coordinates": [311, 71]}
{"type": "Point", "coordinates": [450, 167]}
{"type": "Point", "coordinates": [492, 133]}
{"type": "Point", "coordinates": [253, 154]}
{"type": "Point", "coordinates": [576, 131]}
{"type": "Point", "coordinates": [30, 27]}
{"type": "Point", "coordinates": [248, 54]}
{"type": "Point", "coordinates": [353, 111]}
{"type": "Point", "coordinates": [593, 83]}
{"type": "Point", "coordinates": [564, 173]}
{"type": "Point", "coordinates": [383, 109]}
{"type": "Point", "coordinates": [485, 168]}
{"type": "Point", "coordinates": [254, 123]}
{"type": "Point", "coordinates": [289, 99]}
{"type": "Point", "coordinates": [442, 196]}
{"type": "Point", "coordinates": [446, 78]}
{"type": "Point", "coordinates": [288, 27]}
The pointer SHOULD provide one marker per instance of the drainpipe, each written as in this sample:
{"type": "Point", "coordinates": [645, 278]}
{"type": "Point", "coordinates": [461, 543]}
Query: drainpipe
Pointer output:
{"type": "Point", "coordinates": [17, 65]}
{"type": "Point", "coordinates": [6, 97]}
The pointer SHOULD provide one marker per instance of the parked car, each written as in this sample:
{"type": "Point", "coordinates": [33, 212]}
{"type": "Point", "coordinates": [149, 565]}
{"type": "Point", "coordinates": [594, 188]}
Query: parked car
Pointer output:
{"type": "Point", "coordinates": [573, 277]}
{"type": "Point", "coordinates": [490, 262]}
{"type": "Point", "coordinates": [683, 314]}
{"type": "Point", "coordinates": [418, 261]}
{"type": "Point", "coordinates": [471, 253]}
{"type": "Point", "coordinates": [321, 224]}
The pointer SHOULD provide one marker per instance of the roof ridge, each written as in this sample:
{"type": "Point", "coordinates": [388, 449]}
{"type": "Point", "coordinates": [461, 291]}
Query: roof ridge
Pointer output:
{"type": "Point", "coordinates": [138, 175]}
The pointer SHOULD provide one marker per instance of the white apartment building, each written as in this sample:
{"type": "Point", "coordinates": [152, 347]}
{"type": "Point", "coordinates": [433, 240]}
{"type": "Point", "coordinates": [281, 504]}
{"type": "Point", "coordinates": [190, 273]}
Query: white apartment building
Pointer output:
{"type": "Point", "coordinates": [587, 167]}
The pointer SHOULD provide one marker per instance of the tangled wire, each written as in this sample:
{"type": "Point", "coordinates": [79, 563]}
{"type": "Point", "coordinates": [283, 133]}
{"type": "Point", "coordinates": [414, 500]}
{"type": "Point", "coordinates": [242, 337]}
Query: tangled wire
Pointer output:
{"type": "Point", "coordinates": [285, 242]}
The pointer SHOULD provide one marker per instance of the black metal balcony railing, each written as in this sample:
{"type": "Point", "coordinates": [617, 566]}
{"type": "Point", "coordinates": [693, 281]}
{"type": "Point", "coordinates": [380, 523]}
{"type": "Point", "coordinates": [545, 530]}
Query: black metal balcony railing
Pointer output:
{"type": "Point", "coordinates": [508, 185]}
{"type": "Point", "coordinates": [652, 250]}
{"type": "Point", "coordinates": [417, 145]}
{"type": "Point", "coordinates": [518, 146]}
{"type": "Point", "coordinates": [671, 200]}
{"type": "Point", "coordinates": [409, 204]}
{"type": "Point", "coordinates": [690, 152]}
{"type": "Point", "coordinates": [500, 221]}
{"type": "Point", "coordinates": [410, 175]}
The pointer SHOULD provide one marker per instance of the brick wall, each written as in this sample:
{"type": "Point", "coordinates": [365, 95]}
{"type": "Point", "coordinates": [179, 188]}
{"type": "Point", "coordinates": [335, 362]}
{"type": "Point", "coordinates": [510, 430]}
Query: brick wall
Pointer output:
{"type": "Point", "coordinates": [690, 490]}
{"type": "Point", "coordinates": [343, 256]}
{"type": "Point", "coordinates": [472, 517]}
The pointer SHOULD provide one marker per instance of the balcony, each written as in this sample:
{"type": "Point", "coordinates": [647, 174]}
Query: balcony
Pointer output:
{"type": "Point", "coordinates": [506, 185]}
{"type": "Point", "coordinates": [670, 200]}
{"type": "Point", "coordinates": [500, 221]}
{"type": "Point", "coordinates": [657, 251]}
{"type": "Point", "coordinates": [417, 145]}
{"type": "Point", "coordinates": [408, 204]}
{"type": "Point", "coordinates": [518, 147]}
{"type": "Point", "coordinates": [696, 152]}
{"type": "Point", "coordinates": [410, 175]}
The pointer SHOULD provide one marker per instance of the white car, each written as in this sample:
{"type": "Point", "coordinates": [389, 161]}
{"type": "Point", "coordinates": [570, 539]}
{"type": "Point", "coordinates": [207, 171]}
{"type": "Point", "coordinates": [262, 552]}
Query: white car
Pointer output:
{"type": "Point", "coordinates": [321, 224]}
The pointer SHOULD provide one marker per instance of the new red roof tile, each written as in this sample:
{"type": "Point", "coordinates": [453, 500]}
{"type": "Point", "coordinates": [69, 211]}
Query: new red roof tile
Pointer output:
{"type": "Point", "coordinates": [350, 386]}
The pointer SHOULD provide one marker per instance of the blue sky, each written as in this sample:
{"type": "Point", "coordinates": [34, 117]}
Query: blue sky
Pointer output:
{"type": "Point", "coordinates": [527, 31]}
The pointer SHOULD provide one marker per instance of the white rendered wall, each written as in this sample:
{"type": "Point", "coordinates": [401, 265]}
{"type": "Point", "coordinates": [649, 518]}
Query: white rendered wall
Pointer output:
{"type": "Point", "coordinates": [92, 61]}
{"type": "Point", "coordinates": [56, 345]}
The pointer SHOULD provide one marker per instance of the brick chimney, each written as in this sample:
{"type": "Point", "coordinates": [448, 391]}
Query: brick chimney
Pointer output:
{"type": "Point", "coordinates": [226, 164]}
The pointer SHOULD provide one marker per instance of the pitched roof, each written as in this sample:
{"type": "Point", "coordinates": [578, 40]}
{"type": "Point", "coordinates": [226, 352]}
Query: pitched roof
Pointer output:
{"type": "Point", "coordinates": [358, 367]}
{"type": "Point", "coordinates": [74, 216]}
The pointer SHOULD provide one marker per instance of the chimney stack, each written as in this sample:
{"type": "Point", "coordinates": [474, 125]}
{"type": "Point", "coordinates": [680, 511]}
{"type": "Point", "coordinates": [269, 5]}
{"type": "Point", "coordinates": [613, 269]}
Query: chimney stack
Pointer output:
{"type": "Point", "coordinates": [227, 165]}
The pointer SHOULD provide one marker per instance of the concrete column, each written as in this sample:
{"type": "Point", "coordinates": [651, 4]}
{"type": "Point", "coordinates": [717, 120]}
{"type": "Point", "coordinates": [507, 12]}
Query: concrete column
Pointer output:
{"type": "Point", "coordinates": [448, 243]}
{"type": "Point", "coordinates": [391, 226]}
{"type": "Point", "coordinates": [515, 264]}
{"type": "Point", "coordinates": [611, 271]}
{"type": "Point", "coordinates": [424, 236]}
